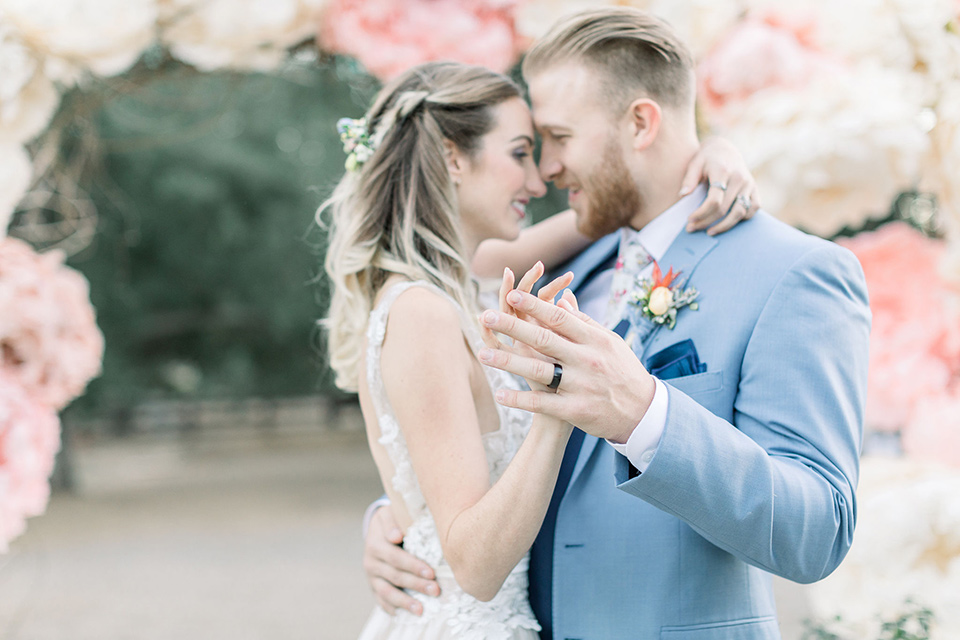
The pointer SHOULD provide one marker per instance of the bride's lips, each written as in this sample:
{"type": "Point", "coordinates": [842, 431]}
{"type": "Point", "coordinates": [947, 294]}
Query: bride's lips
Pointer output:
{"type": "Point", "coordinates": [520, 206]}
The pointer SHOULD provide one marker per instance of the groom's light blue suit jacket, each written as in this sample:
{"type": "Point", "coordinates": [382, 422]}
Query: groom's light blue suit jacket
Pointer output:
{"type": "Point", "coordinates": [756, 468]}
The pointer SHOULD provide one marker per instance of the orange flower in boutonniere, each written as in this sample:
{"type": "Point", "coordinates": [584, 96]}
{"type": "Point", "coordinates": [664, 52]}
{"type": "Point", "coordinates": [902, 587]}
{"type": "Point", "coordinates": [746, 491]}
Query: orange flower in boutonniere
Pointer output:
{"type": "Point", "coordinates": [660, 297]}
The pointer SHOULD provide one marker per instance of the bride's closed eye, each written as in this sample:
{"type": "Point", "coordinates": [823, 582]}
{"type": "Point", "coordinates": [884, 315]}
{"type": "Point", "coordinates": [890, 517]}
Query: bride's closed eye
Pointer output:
{"type": "Point", "coordinates": [521, 154]}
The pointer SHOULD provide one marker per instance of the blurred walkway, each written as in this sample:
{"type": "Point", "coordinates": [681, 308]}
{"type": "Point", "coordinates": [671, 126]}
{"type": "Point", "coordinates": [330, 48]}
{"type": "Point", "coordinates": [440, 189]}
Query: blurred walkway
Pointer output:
{"type": "Point", "coordinates": [227, 536]}
{"type": "Point", "coordinates": [240, 535]}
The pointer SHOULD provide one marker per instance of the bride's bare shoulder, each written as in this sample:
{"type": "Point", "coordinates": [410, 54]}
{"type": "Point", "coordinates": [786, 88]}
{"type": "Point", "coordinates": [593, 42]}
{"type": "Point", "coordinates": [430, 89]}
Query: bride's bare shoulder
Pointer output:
{"type": "Point", "coordinates": [423, 329]}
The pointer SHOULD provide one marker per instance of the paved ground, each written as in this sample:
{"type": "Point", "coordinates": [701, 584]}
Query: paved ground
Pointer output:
{"type": "Point", "coordinates": [247, 536]}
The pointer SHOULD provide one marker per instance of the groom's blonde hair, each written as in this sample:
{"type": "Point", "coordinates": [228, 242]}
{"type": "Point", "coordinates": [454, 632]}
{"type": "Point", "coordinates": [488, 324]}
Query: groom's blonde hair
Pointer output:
{"type": "Point", "coordinates": [635, 53]}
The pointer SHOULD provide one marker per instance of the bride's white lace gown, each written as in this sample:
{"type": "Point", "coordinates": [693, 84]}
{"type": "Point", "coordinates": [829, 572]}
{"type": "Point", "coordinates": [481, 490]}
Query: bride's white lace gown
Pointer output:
{"type": "Point", "coordinates": [455, 614]}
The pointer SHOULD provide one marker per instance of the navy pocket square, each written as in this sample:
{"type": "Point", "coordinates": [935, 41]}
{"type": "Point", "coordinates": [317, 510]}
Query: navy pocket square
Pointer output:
{"type": "Point", "coordinates": [675, 361]}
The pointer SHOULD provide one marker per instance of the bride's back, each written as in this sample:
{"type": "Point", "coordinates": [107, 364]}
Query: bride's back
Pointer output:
{"type": "Point", "coordinates": [401, 302]}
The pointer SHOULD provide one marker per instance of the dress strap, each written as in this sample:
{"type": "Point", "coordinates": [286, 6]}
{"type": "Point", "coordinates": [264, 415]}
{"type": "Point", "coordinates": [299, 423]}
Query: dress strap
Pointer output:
{"type": "Point", "coordinates": [377, 329]}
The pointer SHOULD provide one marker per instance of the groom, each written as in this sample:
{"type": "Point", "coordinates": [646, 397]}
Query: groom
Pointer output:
{"type": "Point", "coordinates": [719, 449]}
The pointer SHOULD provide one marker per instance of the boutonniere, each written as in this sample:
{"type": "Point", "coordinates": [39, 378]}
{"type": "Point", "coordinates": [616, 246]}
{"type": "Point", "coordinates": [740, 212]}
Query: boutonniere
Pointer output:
{"type": "Point", "coordinates": [660, 297]}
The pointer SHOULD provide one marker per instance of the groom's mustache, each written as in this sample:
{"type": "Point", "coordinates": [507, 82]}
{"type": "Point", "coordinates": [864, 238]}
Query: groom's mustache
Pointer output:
{"type": "Point", "coordinates": [560, 182]}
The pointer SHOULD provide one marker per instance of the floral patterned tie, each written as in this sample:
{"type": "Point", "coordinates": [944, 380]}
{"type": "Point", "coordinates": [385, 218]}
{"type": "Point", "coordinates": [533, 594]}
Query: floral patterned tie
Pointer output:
{"type": "Point", "coordinates": [631, 261]}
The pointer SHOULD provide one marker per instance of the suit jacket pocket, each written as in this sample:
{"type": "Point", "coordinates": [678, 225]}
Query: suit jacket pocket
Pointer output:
{"type": "Point", "coordinates": [764, 628]}
{"type": "Point", "coordinates": [698, 382]}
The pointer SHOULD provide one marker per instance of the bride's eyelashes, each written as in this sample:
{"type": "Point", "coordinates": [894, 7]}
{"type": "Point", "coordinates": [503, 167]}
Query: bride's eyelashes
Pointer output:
{"type": "Point", "coordinates": [520, 155]}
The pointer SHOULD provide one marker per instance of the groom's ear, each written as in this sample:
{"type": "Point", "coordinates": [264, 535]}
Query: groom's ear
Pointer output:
{"type": "Point", "coordinates": [644, 117]}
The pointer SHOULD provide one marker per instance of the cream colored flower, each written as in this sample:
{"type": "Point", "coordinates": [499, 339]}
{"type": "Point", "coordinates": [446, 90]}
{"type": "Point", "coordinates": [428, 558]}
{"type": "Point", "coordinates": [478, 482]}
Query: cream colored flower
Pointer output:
{"type": "Point", "coordinates": [907, 545]}
{"type": "Point", "coordinates": [103, 37]}
{"type": "Point", "coordinates": [238, 34]}
{"type": "Point", "coordinates": [941, 174]}
{"type": "Point", "coordinates": [661, 300]}
{"type": "Point", "coordinates": [700, 23]}
{"type": "Point", "coordinates": [829, 154]}
{"type": "Point", "coordinates": [15, 171]}
{"type": "Point", "coordinates": [535, 17]}
{"type": "Point", "coordinates": [27, 97]}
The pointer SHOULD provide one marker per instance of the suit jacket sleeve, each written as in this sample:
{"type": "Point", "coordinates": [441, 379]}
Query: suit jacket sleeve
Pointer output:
{"type": "Point", "coordinates": [776, 487]}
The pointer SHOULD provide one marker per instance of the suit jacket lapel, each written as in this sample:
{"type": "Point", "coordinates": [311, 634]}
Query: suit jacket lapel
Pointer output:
{"type": "Point", "coordinates": [684, 255]}
{"type": "Point", "coordinates": [588, 263]}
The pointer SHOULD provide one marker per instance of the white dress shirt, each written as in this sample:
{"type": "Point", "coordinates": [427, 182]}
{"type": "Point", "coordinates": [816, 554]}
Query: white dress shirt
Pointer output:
{"type": "Point", "coordinates": [656, 237]}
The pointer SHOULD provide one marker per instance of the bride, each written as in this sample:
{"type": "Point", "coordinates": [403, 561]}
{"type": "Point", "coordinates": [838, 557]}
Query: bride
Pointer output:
{"type": "Point", "coordinates": [443, 163]}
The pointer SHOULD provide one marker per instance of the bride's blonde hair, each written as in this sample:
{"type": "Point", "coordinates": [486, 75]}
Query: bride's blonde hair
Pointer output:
{"type": "Point", "coordinates": [397, 213]}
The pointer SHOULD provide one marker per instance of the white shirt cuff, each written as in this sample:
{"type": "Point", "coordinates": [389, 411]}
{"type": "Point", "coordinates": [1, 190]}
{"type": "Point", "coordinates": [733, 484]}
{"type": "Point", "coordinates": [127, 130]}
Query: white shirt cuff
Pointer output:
{"type": "Point", "coordinates": [642, 444]}
{"type": "Point", "coordinates": [368, 514]}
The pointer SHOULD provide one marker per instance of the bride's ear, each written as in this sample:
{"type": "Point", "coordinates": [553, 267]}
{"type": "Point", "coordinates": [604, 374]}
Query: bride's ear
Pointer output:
{"type": "Point", "coordinates": [455, 161]}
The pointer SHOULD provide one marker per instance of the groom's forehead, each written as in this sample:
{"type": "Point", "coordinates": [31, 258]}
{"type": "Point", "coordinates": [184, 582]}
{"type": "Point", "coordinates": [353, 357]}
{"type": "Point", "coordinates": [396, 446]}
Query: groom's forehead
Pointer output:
{"type": "Point", "coordinates": [562, 81]}
{"type": "Point", "coordinates": [561, 96]}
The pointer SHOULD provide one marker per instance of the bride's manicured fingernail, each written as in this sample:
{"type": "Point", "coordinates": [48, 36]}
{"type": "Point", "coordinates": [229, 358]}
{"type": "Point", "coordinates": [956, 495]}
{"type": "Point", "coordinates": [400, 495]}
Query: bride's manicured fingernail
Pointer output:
{"type": "Point", "coordinates": [489, 317]}
{"type": "Point", "coordinates": [514, 297]}
{"type": "Point", "coordinates": [501, 396]}
{"type": "Point", "coordinates": [485, 355]}
{"type": "Point", "coordinates": [433, 590]}
{"type": "Point", "coordinates": [426, 574]}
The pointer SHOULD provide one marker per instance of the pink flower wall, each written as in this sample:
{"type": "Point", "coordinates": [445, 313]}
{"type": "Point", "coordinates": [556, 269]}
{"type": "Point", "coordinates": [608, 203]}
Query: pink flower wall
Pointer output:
{"type": "Point", "coordinates": [390, 37]}
{"type": "Point", "coordinates": [29, 440]}
{"type": "Point", "coordinates": [914, 382]}
{"type": "Point", "coordinates": [50, 348]}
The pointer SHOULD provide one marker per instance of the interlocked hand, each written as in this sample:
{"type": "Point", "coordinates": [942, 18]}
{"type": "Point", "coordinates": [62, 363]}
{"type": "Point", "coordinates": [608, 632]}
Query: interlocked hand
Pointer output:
{"type": "Point", "coordinates": [605, 389]}
{"type": "Point", "coordinates": [547, 293]}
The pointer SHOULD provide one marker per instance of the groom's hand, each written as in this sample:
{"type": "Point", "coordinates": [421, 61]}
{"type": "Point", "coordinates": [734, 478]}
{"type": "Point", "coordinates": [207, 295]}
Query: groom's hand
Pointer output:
{"type": "Point", "coordinates": [390, 569]}
{"type": "Point", "coordinates": [604, 389]}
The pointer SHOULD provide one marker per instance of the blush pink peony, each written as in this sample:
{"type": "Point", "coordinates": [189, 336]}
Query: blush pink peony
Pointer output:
{"type": "Point", "coordinates": [933, 433]}
{"type": "Point", "coordinates": [757, 54]}
{"type": "Point", "coordinates": [915, 339]}
{"type": "Point", "coordinates": [389, 37]}
{"type": "Point", "coordinates": [29, 440]}
{"type": "Point", "coordinates": [49, 340]}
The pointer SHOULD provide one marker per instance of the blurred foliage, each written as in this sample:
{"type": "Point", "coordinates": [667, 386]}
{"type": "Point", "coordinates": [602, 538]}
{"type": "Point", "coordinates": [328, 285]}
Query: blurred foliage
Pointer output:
{"type": "Point", "coordinates": [912, 622]}
{"type": "Point", "coordinates": [205, 265]}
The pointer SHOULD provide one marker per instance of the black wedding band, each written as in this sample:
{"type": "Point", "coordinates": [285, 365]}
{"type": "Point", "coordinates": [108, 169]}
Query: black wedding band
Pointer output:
{"type": "Point", "coordinates": [557, 374]}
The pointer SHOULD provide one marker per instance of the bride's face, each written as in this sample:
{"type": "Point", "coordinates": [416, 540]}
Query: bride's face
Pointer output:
{"type": "Point", "coordinates": [498, 181]}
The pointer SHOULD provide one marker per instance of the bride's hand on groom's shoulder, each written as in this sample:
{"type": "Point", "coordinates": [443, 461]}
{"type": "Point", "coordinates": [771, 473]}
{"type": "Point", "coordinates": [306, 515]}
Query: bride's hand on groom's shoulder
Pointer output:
{"type": "Point", "coordinates": [390, 569]}
{"type": "Point", "coordinates": [732, 193]}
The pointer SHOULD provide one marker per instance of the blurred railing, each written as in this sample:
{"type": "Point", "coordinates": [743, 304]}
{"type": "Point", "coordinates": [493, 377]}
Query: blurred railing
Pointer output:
{"type": "Point", "coordinates": [238, 421]}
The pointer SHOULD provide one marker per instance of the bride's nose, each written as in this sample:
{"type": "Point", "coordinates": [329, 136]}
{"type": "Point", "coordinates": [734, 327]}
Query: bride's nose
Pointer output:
{"type": "Point", "coordinates": [535, 185]}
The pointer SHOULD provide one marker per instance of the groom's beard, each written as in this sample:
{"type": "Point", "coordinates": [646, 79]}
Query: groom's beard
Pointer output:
{"type": "Point", "coordinates": [612, 197]}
